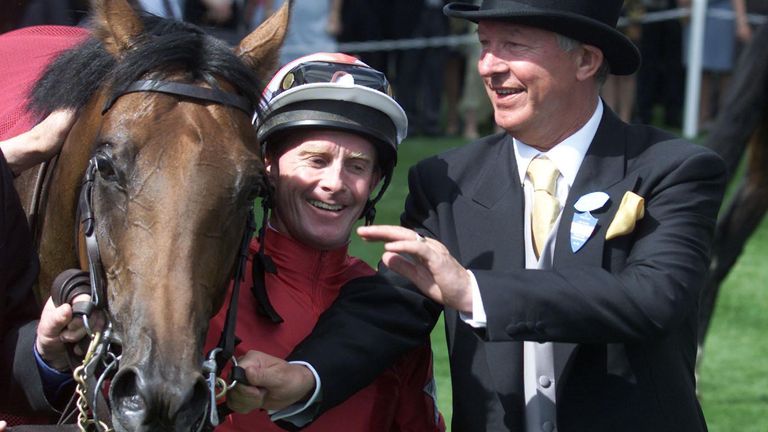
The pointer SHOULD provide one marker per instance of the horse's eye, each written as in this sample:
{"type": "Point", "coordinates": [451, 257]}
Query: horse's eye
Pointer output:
{"type": "Point", "coordinates": [105, 166]}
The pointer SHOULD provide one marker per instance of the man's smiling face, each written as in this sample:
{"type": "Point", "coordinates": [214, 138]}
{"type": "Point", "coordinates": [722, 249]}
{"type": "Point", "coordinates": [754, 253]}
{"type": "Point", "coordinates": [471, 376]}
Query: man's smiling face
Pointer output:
{"type": "Point", "coordinates": [529, 78]}
{"type": "Point", "coordinates": [322, 179]}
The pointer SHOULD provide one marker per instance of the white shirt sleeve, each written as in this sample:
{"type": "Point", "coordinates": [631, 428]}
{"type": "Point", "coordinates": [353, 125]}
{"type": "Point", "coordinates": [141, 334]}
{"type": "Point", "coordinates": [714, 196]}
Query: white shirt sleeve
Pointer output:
{"type": "Point", "coordinates": [299, 414]}
{"type": "Point", "coordinates": [477, 318]}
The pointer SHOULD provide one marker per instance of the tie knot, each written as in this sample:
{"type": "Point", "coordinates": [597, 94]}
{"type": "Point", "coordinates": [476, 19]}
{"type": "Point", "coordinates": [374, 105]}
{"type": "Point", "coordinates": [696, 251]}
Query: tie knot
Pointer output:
{"type": "Point", "coordinates": [543, 174]}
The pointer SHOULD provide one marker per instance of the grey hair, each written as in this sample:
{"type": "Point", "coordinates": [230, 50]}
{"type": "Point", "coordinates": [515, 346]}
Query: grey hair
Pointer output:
{"type": "Point", "coordinates": [569, 44]}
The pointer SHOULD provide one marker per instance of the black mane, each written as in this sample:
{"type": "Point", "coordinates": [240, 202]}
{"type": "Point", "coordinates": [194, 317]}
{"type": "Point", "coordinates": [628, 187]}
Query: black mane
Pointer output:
{"type": "Point", "coordinates": [166, 46]}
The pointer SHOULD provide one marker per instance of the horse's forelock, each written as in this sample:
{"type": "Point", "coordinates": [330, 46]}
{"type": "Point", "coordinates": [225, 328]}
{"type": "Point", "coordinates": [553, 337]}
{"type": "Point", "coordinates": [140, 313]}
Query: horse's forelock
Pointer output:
{"type": "Point", "coordinates": [197, 54]}
{"type": "Point", "coordinates": [72, 79]}
{"type": "Point", "coordinates": [166, 46]}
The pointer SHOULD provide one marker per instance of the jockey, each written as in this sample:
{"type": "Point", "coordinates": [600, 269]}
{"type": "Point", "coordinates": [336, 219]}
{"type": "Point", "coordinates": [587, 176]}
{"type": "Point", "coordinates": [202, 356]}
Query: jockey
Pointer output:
{"type": "Point", "coordinates": [329, 132]}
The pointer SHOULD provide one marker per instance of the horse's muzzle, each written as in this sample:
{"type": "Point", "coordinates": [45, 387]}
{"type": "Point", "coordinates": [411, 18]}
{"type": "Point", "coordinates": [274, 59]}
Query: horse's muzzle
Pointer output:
{"type": "Point", "coordinates": [144, 403]}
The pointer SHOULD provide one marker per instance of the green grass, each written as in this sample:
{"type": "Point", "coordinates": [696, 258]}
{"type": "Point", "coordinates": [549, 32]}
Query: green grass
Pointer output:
{"type": "Point", "coordinates": [734, 374]}
{"type": "Point", "coordinates": [733, 382]}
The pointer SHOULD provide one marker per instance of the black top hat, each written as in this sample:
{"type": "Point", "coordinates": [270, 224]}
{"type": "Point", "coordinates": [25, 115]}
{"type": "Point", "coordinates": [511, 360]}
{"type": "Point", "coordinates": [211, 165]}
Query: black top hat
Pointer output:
{"type": "Point", "coordinates": [592, 22]}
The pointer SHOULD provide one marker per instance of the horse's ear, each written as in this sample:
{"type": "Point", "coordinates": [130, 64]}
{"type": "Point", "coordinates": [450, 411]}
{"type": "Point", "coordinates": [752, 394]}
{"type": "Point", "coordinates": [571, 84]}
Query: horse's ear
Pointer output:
{"type": "Point", "coordinates": [117, 25]}
{"type": "Point", "coordinates": [261, 48]}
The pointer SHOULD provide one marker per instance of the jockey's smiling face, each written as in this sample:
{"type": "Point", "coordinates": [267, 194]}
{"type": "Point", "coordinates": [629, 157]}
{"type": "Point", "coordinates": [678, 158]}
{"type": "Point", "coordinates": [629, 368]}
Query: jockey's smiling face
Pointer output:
{"type": "Point", "coordinates": [322, 179]}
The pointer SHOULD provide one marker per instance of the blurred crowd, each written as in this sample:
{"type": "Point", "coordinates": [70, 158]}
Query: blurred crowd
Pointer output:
{"type": "Point", "coordinates": [655, 93]}
{"type": "Point", "coordinates": [438, 86]}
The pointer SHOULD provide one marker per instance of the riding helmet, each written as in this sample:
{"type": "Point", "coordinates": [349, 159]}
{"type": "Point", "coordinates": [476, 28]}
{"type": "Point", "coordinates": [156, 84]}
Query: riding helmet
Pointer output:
{"type": "Point", "coordinates": [335, 91]}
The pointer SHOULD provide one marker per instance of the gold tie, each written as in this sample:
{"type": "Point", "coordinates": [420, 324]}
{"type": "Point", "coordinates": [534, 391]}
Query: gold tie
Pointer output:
{"type": "Point", "coordinates": [543, 174]}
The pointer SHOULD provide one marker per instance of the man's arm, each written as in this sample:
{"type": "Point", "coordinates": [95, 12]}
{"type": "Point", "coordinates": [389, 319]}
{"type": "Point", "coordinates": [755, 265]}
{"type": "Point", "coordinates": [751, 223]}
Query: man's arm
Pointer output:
{"type": "Point", "coordinates": [373, 322]}
{"type": "Point", "coordinates": [369, 326]}
{"type": "Point", "coordinates": [644, 296]}
{"type": "Point", "coordinates": [21, 388]}
{"type": "Point", "coordinates": [658, 287]}
{"type": "Point", "coordinates": [39, 143]}
{"type": "Point", "coordinates": [18, 307]}
{"type": "Point", "coordinates": [36, 374]}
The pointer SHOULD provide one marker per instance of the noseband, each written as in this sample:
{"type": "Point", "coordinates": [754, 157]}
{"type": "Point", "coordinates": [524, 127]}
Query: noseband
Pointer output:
{"type": "Point", "coordinates": [100, 362]}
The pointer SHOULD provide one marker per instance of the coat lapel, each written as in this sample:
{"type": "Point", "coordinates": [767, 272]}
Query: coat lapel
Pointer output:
{"type": "Point", "coordinates": [500, 194]}
{"type": "Point", "coordinates": [499, 174]}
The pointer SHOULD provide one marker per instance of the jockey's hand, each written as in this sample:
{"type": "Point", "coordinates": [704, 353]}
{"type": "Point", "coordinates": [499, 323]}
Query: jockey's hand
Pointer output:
{"type": "Point", "coordinates": [273, 384]}
{"type": "Point", "coordinates": [2, 426]}
{"type": "Point", "coordinates": [57, 327]}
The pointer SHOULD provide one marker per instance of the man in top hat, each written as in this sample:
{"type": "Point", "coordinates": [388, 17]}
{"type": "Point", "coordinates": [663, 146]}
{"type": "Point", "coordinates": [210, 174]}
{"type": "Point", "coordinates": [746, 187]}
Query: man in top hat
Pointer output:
{"type": "Point", "coordinates": [567, 252]}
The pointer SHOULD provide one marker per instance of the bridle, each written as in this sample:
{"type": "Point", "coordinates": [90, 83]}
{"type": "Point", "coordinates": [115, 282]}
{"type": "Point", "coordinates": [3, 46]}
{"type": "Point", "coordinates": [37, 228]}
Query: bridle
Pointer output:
{"type": "Point", "coordinates": [101, 361]}
{"type": "Point", "coordinates": [191, 91]}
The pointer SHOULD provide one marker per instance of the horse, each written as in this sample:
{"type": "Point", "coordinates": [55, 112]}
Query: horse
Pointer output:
{"type": "Point", "coordinates": [741, 127]}
{"type": "Point", "coordinates": [165, 142]}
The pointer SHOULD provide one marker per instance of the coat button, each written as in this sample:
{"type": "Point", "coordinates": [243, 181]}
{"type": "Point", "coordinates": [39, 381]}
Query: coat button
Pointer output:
{"type": "Point", "coordinates": [515, 329]}
{"type": "Point", "coordinates": [544, 381]}
{"type": "Point", "coordinates": [547, 426]}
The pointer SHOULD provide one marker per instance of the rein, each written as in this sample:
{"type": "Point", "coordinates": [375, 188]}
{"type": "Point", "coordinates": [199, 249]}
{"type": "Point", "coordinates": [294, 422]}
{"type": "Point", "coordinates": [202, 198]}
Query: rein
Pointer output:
{"type": "Point", "coordinates": [100, 362]}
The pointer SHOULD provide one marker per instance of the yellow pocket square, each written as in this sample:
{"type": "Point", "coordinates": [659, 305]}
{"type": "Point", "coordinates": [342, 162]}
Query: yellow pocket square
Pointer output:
{"type": "Point", "coordinates": [631, 210]}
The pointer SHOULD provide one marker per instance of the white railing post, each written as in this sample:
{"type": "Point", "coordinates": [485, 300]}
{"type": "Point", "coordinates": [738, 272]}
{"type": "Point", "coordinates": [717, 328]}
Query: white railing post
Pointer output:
{"type": "Point", "coordinates": [693, 79]}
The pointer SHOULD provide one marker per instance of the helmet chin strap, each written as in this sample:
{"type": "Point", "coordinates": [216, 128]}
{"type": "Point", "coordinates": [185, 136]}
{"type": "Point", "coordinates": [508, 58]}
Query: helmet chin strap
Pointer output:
{"type": "Point", "coordinates": [369, 212]}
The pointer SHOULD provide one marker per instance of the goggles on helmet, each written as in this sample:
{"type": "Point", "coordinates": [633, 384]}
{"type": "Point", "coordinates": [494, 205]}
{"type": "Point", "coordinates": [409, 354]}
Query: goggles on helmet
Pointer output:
{"type": "Point", "coordinates": [314, 72]}
{"type": "Point", "coordinates": [332, 90]}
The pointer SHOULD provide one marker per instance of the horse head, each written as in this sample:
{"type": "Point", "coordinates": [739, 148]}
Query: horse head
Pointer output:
{"type": "Point", "coordinates": [165, 119]}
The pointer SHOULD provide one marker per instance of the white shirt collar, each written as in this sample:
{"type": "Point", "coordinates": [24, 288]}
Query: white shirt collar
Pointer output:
{"type": "Point", "coordinates": [567, 155]}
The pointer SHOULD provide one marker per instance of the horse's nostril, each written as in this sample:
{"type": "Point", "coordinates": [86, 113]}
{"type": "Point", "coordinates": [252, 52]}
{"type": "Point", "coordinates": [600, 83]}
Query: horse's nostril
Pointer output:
{"type": "Point", "coordinates": [146, 403]}
{"type": "Point", "coordinates": [126, 394]}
